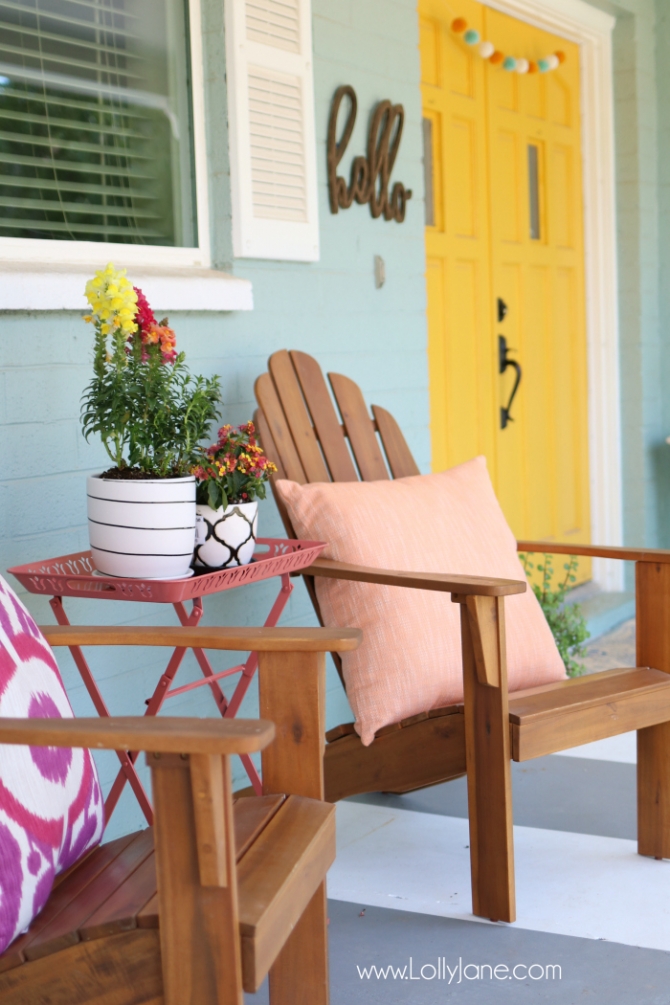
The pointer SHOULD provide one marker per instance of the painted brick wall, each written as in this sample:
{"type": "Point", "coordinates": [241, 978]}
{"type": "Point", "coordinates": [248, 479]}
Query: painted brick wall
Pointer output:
{"type": "Point", "coordinates": [330, 309]}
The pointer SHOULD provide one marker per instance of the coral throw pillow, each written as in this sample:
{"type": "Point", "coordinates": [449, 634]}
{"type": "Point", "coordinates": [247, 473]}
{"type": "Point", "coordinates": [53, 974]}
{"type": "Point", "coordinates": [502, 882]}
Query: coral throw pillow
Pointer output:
{"type": "Point", "coordinates": [51, 808]}
{"type": "Point", "coordinates": [410, 658]}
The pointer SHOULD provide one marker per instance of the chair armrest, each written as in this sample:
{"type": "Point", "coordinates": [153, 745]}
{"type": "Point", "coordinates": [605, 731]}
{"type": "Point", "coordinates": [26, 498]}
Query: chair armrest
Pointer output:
{"type": "Point", "coordinates": [293, 640]}
{"type": "Point", "coordinates": [464, 585]}
{"type": "Point", "coordinates": [596, 551]}
{"type": "Point", "coordinates": [165, 735]}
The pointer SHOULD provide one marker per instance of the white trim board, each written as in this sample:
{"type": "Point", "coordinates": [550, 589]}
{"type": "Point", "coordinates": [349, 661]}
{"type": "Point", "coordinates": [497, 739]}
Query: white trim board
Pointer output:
{"type": "Point", "coordinates": [592, 30]}
{"type": "Point", "coordinates": [61, 288]}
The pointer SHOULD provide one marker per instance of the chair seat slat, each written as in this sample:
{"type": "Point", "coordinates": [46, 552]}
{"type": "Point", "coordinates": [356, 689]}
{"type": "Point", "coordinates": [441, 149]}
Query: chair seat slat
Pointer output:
{"type": "Point", "coordinates": [63, 929]}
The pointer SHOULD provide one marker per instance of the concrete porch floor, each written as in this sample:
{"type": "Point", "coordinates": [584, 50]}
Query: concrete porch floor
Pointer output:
{"type": "Point", "coordinates": [587, 902]}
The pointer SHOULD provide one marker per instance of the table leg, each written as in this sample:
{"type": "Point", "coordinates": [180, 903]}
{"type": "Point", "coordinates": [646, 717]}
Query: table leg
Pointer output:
{"type": "Point", "coordinates": [127, 759]}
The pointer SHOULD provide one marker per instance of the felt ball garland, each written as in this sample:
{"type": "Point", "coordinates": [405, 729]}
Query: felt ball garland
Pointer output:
{"type": "Point", "coordinates": [487, 50]}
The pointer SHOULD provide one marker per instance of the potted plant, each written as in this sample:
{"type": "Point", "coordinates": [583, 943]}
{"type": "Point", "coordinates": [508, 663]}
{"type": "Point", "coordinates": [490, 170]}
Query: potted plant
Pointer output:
{"type": "Point", "coordinates": [231, 478]}
{"type": "Point", "coordinates": [150, 413]}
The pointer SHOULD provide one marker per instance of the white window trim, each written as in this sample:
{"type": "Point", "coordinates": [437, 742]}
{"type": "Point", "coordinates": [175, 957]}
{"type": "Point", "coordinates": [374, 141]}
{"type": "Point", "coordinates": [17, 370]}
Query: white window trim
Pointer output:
{"type": "Point", "coordinates": [592, 29]}
{"type": "Point", "coordinates": [96, 254]}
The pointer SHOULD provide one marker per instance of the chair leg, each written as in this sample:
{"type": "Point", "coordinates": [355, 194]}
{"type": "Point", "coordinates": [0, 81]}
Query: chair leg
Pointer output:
{"type": "Point", "coordinates": [652, 588]}
{"type": "Point", "coordinates": [653, 791]}
{"type": "Point", "coordinates": [488, 758]}
{"type": "Point", "coordinates": [299, 975]}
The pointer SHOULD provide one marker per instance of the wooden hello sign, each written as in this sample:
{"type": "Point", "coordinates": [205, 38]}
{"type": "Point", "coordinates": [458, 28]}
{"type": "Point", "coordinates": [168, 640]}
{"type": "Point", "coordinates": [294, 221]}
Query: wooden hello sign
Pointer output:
{"type": "Point", "coordinates": [370, 175]}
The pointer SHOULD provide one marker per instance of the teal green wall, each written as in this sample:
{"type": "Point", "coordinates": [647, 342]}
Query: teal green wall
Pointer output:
{"type": "Point", "coordinates": [330, 309]}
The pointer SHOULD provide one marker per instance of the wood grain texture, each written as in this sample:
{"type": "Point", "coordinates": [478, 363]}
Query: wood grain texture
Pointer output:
{"type": "Point", "coordinates": [596, 551]}
{"type": "Point", "coordinates": [298, 418]}
{"type": "Point", "coordinates": [398, 454]}
{"type": "Point", "coordinates": [235, 639]}
{"type": "Point", "coordinates": [277, 879]}
{"type": "Point", "coordinates": [293, 686]}
{"type": "Point", "coordinates": [326, 423]}
{"type": "Point", "coordinates": [359, 428]}
{"type": "Point", "coordinates": [566, 696]}
{"type": "Point", "coordinates": [71, 905]}
{"type": "Point", "coordinates": [200, 946]}
{"type": "Point", "coordinates": [85, 872]}
{"type": "Point", "coordinates": [488, 768]}
{"type": "Point", "coordinates": [118, 913]}
{"type": "Point", "coordinates": [430, 751]}
{"type": "Point", "coordinates": [207, 786]}
{"type": "Point", "coordinates": [251, 816]}
{"type": "Point", "coordinates": [484, 639]}
{"type": "Point", "coordinates": [446, 583]}
{"type": "Point", "coordinates": [652, 588]}
{"type": "Point", "coordinates": [268, 445]}
{"type": "Point", "coordinates": [305, 952]}
{"type": "Point", "coordinates": [266, 396]}
{"type": "Point", "coordinates": [548, 734]}
{"type": "Point", "coordinates": [165, 734]}
{"type": "Point", "coordinates": [122, 969]}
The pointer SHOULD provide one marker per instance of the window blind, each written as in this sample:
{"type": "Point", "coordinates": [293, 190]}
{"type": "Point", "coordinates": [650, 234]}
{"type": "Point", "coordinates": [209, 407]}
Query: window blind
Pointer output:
{"type": "Point", "coordinates": [95, 132]}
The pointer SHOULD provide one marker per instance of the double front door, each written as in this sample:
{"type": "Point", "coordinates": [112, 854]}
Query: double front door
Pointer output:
{"type": "Point", "coordinates": [505, 267]}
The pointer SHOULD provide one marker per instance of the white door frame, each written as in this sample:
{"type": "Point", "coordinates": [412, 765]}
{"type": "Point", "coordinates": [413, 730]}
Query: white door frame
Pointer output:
{"type": "Point", "coordinates": [591, 29]}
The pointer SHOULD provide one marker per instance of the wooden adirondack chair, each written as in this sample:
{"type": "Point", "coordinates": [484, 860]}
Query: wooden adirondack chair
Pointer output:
{"type": "Point", "coordinates": [219, 891]}
{"type": "Point", "coordinates": [302, 433]}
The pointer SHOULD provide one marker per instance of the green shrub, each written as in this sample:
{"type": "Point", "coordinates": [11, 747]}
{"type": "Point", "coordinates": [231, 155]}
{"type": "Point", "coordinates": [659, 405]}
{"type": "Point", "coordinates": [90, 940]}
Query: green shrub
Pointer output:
{"type": "Point", "coordinates": [565, 620]}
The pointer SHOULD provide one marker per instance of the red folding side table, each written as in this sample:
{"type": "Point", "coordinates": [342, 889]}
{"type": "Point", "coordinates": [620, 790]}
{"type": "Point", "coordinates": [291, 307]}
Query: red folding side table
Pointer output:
{"type": "Point", "coordinates": [76, 576]}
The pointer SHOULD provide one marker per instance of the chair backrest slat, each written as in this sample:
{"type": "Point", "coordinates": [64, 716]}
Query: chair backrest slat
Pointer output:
{"type": "Point", "coordinates": [398, 454]}
{"type": "Point", "coordinates": [266, 396]}
{"type": "Point", "coordinates": [324, 417]}
{"type": "Point", "coordinates": [272, 453]}
{"type": "Point", "coordinates": [298, 418]}
{"type": "Point", "coordinates": [359, 428]}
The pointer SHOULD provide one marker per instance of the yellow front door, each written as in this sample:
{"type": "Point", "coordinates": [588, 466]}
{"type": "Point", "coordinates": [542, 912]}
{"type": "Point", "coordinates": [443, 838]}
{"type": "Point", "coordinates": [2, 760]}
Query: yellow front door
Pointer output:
{"type": "Point", "coordinates": [505, 272]}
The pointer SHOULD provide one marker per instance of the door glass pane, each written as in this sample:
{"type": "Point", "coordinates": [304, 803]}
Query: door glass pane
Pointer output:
{"type": "Point", "coordinates": [95, 121]}
{"type": "Point", "coordinates": [428, 171]}
{"type": "Point", "coordinates": [534, 192]}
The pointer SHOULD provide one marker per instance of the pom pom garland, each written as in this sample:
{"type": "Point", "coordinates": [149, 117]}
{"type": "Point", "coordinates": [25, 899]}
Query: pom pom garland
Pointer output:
{"type": "Point", "coordinates": [487, 50]}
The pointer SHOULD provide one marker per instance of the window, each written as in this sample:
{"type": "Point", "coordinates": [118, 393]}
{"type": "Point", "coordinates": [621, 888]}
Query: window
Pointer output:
{"type": "Point", "coordinates": [96, 130]}
{"type": "Point", "coordinates": [272, 140]}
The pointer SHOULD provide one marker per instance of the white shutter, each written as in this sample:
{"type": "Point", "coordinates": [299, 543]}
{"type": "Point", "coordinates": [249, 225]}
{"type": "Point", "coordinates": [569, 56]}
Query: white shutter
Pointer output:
{"type": "Point", "coordinates": [271, 123]}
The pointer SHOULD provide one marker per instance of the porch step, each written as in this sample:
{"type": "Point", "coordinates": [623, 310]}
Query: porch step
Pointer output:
{"type": "Point", "coordinates": [602, 611]}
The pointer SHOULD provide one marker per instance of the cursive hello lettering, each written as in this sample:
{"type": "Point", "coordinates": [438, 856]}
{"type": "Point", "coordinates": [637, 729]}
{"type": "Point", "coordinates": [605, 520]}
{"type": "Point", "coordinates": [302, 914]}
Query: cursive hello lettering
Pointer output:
{"type": "Point", "coordinates": [370, 176]}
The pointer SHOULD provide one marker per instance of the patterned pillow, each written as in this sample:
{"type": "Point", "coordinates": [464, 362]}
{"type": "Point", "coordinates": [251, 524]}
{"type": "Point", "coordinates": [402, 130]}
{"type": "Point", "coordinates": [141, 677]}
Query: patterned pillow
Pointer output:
{"type": "Point", "coordinates": [51, 809]}
{"type": "Point", "coordinates": [410, 658]}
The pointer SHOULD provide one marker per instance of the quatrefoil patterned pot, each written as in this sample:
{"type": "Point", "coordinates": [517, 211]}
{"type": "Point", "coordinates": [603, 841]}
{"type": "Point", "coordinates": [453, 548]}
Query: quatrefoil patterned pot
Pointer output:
{"type": "Point", "coordinates": [225, 537]}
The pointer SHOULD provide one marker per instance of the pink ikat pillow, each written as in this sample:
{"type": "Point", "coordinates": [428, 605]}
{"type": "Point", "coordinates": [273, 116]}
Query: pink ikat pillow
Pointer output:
{"type": "Point", "coordinates": [410, 658]}
{"type": "Point", "coordinates": [51, 809]}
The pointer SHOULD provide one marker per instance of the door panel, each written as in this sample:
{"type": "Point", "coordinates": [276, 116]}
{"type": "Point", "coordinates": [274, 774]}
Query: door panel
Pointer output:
{"type": "Point", "coordinates": [460, 338]}
{"type": "Point", "coordinates": [507, 223]}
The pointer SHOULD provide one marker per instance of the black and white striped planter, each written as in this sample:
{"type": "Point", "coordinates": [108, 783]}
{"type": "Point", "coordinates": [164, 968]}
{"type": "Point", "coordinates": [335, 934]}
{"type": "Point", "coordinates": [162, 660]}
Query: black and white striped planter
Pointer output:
{"type": "Point", "coordinates": [225, 538]}
{"type": "Point", "coordinates": [142, 529]}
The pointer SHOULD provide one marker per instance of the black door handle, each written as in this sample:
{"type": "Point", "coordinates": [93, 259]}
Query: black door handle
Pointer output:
{"type": "Point", "coordinates": [503, 362]}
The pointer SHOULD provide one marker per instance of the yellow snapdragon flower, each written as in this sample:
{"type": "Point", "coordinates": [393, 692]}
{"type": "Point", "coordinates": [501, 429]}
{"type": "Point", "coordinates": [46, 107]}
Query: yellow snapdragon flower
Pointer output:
{"type": "Point", "coordinates": [113, 301]}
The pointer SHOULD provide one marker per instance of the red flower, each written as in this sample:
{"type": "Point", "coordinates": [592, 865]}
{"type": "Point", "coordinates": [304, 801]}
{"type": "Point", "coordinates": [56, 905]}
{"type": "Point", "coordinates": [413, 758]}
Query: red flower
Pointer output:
{"type": "Point", "coordinates": [144, 316]}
